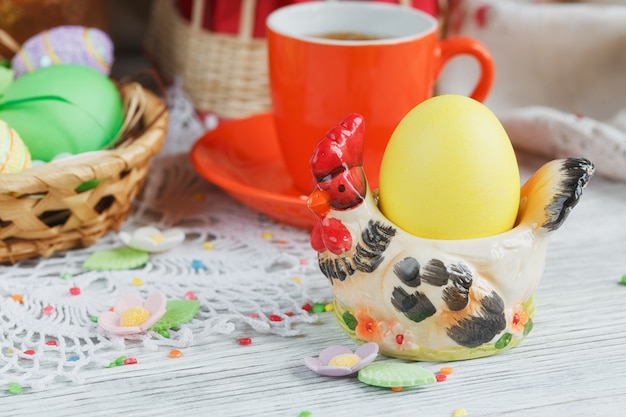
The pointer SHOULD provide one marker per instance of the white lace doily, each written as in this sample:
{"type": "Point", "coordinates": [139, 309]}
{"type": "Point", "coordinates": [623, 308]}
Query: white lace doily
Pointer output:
{"type": "Point", "coordinates": [246, 269]}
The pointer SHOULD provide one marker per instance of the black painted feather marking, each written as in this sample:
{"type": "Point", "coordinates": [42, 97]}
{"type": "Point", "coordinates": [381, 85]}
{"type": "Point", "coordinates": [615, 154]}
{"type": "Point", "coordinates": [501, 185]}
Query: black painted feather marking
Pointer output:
{"type": "Point", "coordinates": [365, 260]}
{"type": "Point", "coordinates": [435, 273]}
{"type": "Point", "coordinates": [456, 296]}
{"type": "Point", "coordinates": [575, 174]}
{"type": "Point", "coordinates": [408, 271]}
{"type": "Point", "coordinates": [474, 331]}
{"type": "Point", "coordinates": [377, 236]}
{"type": "Point", "coordinates": [375, 241]}
{"type": "Point", "coordinates": [367, 257]}
{"type": "Point", "coordinates": [335, 268]}
{"type": "Point", "coordinates": [416, 307]}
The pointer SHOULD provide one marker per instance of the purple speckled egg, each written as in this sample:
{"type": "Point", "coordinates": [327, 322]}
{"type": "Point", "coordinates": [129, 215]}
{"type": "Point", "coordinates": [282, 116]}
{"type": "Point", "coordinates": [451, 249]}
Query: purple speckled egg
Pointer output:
{"type": "Point", "coordinates": [65, 45]}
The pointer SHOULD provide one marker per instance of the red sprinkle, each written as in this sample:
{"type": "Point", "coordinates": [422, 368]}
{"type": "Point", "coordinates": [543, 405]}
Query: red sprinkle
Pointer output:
{"type": "Point", "coordinates": [51, 343]}
{"type": "Point", "coordinates": [48, 310]}
{"type": "Point", "coordinates": [245, 341]}
{"type": "Point", "coordinates": [275, 317]}
{"type": "Point", "coordinates": [75, 291]}
{"type": "Point", "coordinates": [130, 361]}
{"type": "Point", "coordinates": [29, 352]}
{"type": "Point", "coordinates": [190, 295]}
{"type": "Point", "coordinates": [440, 377]}
{"type": "Point", "coordinates": [289, 314]}
{"type": "Point", "coordinates": [307, 307]}
{"type": "Point", "coordinates": [399, 339]}
{"type": "Point", "coordinates": [255, 316]}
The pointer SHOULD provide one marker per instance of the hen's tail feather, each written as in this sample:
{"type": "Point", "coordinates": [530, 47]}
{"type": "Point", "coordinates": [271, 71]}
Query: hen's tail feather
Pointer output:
{"type": "Point", "coordinates": [550, 194]}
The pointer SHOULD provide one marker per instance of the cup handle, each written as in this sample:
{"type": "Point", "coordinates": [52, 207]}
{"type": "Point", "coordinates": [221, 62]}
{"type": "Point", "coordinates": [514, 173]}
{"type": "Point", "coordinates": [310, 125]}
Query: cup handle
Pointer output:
{"type": "Point", "coordinates": [459, 45]}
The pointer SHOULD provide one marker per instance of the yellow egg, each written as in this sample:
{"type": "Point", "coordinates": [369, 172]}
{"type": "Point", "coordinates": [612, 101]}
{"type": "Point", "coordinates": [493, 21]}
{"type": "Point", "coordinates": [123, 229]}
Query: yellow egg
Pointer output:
{"type": "Point", "coordinates": [14, 155]}
{"type": "Point", "coordinates": [449, 171]}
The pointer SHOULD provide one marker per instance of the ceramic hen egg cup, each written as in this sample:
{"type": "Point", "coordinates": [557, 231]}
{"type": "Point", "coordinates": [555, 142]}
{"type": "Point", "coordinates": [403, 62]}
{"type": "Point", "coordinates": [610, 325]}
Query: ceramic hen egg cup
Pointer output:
{"type": "Point", "coordinates": [424, 299]}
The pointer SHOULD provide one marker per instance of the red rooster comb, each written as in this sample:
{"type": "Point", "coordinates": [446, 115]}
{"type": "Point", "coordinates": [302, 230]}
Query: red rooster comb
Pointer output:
{"type": "Point", "coordinates": [341, 148]}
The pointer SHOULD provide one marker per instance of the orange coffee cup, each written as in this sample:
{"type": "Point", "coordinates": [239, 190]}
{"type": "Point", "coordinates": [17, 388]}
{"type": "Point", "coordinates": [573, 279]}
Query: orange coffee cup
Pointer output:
{"type": "Point", "coordinates": [316, 81]}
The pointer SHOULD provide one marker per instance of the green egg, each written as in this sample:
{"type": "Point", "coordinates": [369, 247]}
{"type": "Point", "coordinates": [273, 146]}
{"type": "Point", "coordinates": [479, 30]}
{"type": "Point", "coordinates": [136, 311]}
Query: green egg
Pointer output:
{"type": "Point", "coordinates": [63, 109]}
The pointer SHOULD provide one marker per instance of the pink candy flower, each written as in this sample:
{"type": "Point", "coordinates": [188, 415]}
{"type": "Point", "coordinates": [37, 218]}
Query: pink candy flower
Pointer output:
{"type": "Point", "coordinates": [132, 314]}
{"type": "Point", "coordinates": [341, 361]}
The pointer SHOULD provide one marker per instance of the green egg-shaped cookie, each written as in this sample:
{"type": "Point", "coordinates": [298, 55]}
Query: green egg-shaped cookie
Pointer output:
{"type": "Point", "coordinates": [394, 374]}
{"type": "Point", "coordinates": [63, 109]}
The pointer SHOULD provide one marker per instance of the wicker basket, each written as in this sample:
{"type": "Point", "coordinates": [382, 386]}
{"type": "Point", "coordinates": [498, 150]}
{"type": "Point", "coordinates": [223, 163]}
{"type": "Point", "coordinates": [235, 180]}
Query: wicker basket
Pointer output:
{"type": "Point", "coordinates": [41, 211]}
{"type": "Point", "coordinates": [222, 73]}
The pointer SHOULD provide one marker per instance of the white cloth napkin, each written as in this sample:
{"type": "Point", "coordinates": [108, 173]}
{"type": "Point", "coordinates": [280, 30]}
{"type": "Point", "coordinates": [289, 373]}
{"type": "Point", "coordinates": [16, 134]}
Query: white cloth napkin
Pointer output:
{"type": "Point", "coordinates": [560, 87]}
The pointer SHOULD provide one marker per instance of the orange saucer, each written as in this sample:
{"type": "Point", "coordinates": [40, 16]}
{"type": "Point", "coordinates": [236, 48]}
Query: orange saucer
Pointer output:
{"type": "Point", "coordinates": [243, 158]}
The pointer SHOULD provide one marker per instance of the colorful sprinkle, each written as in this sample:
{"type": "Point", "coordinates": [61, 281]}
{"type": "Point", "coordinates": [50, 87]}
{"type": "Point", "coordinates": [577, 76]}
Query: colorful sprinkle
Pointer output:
{"type": "Point", "coordinates": [318, 308]}
{"type": "Point", "coordinates": [208, 246]}
{"type": "Point", "coordinates": [15, 388]}
{"type": "Point", "coordinates": [297, 280]}
{"type": "Point", "coordinates": [267, 235]}
{"type": "Point", "coordinates": [441, 377]}
{"type": "Point", "coordinates": [137, 282]}
{"type": "Point", "coordinates": [275, 317]}
{"type": "Point", "coordinates": [93, 318]}
{"type": "Point", "coordinates": [623, 280]}
{"type": "Point", "coordinates": [459, 412]}
{"type": "Point", "coordinates": [75, 291]}
{"type": "Point", "coordinates": [190, 295]}
{"type": "Point", "coordinates": [255, 315]}
{"type": "Point", "coordinates": [130, 361]}
{"type": "Point", "coordinates": [245, 341]}
{"type": "Point", "coordinates": [48, 310]}
{"type": "Point", "coordinates": [282, 242]}
{"type": "Point", "coordinates": [307, 307]}
{"type": "Point", "coordinates": [73, 358]}
{"type": "Point", "coordinates": [51, 343]}
{"type": "Point", "coordinates": [304, 262]}
{"type": "Point", "coordinates": [446, 370]}
{"type": "Point", "coordinates": [396, 389]}
{"type": "Point", "coordinates": [175, 353]}
{"type": "Point", "coordinates": [197, 264]}
{"type": "Point", "coordinates": [65, 276]}
{"type": "Point", "coordinates": [164, 333]}
{"type": "Point", "coordinates": [29, 352]}
{"type": "Point", "coordinates": [399, 339]}
{"type": "Point", "coordinates": [18, 298]}
{"type": "Point", "coordinates": [329, 307]}
{"type": "Point", "coordinates": [305, 414]}
{"type": "Point", "coordinates": [289, 313]}
{"type": "Point", "coordinates": [120, 360]}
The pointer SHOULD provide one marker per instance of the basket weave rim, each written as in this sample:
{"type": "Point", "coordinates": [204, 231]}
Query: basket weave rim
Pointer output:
{"type": "Point", "coordinates": [95, 165]}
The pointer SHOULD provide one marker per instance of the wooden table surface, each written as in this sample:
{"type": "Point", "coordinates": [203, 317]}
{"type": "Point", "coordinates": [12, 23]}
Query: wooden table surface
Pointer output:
{"type": "Point", "coordinates": [572, 364]}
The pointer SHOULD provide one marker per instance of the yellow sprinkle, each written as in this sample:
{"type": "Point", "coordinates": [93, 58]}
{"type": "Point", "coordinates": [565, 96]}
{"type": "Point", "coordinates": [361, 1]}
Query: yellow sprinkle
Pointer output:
{"type": "Point", "coordinates": [137, 282]}
{"type": "Point", "coordinates": [267, 235]}
{"type": "Point", "coordinates": [329, 307]}
{"type": "Point", "coordinates": [197, 197]}
{"type": "Point", "coordinates": [345, 359]}
{"type": "Point", "coordinates": [157, 238]}
{"type": "Point", "coordinates": [208, 246]}
{"type": "Point", "coordinates": [446, 370]}
{"type": "Point", "coordinates": [297, 280]}
{"type": "Point", "coordinates": [459, 412]}
{"type": "Point", "coordinates": [134, 316]}
{"type": "Point", "coordinates": [9, 351]}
